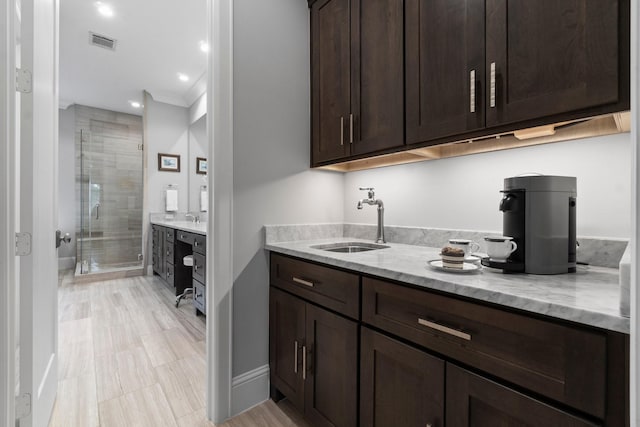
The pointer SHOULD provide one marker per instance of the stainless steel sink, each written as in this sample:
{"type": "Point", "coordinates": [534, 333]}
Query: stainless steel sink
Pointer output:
{"type": "Point", "coordinates": [349, 247]}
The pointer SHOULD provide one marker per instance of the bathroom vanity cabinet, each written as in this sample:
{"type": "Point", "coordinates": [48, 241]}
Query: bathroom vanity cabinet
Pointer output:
{"type": "Point", "coordinates": [430, 358]}
{"type": "Point", "coordinates": [170, 246]}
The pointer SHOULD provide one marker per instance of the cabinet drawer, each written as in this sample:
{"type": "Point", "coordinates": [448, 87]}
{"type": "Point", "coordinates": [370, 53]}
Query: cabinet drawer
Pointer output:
{"type": "Point", "coordinates": [200, 243]}
{"type": "Point", "coordinates": [199, 267]}
{"type": "Point", "coordinates": [566, 363]}
{"type": "Point", "coordinates": [185, 236]}
{"type": "Point", "coordinates": [199, 297]}
{"type": "Point", "coordinates": [168, 252]}
{"type": "Point", "coordinates": [170, 234]}
{"type": "Point", "coordinates": [336, 290]}
{"type": "Point", "coordinates": [169, 274]}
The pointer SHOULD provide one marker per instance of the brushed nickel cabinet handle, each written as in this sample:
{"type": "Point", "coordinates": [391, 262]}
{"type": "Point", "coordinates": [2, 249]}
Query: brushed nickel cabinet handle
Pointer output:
{"type": "Point", "coordinates": [195, 243]}
{"type": "Point", "coordinates": [341, 130]}
{"type": "Point", "coordinates": [350, 128]}
{"type": "Point", "coordinates": [492, 86]}
{"type": "Point", "coordinates": [295, 357]}
{"type": "Point", "coordinates": [303, 282]}
{"type": "Point", "coordinates": [304, 362]}
{"type": "Point", "coordinates": [195, 267]}
{"type": "Point", "coordinates": [445, 329]}
{"type": "Point", "coordinates": [472, 91]}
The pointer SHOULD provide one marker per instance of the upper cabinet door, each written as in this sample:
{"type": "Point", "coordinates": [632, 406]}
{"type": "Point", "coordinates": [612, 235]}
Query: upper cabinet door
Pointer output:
{"type": "Point", "coordinates": [444, 67]}
{"type": "Point", "coordinates": [377, 80]}
{"type": "Point", "coordinates": [550, 57]}
{"type": "Point", "coordinates": [330, 75]}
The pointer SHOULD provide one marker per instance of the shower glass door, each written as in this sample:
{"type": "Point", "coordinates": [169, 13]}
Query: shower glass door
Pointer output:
{"type": "Point", "coordinates": [110, 197]}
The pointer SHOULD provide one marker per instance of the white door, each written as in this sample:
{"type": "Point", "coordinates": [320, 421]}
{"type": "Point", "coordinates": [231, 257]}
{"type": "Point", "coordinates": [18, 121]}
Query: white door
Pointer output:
{"type": "Point", "coordinates": [38, 273]}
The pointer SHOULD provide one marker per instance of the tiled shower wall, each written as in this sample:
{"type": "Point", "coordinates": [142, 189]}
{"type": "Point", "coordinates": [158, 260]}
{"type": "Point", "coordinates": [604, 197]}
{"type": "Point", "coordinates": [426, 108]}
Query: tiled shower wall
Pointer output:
{"type": "Point", "coordinates": [109, 154]}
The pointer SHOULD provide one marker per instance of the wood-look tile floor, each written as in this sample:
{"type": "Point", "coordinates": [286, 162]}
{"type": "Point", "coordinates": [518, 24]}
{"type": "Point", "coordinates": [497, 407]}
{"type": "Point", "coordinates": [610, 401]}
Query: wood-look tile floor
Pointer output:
{"type": "Point", "coordinates": [129, 358]}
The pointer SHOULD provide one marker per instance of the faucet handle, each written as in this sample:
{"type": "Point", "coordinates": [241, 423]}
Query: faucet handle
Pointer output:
{"type": "Point", "coordinates": [370, 193]}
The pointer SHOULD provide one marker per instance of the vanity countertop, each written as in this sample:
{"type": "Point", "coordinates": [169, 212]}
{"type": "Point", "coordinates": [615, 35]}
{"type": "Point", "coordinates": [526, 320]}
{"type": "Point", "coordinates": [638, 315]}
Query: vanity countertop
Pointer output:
{"type": "Point", "coordinates": [590, 296]}
{"type": "Point", "coordinates": [190, 226]}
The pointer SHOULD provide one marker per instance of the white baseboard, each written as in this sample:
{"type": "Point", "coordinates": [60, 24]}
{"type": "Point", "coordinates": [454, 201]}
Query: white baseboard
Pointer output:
{"type": "Point", "coordinates": [249, 389]}
{"type": "Point", "coordinates": [67, 263]}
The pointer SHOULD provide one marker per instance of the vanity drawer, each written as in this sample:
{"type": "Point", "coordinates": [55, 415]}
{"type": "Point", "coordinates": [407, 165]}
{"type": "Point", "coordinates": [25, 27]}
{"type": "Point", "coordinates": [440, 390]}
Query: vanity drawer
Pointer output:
{"type": "Point", "coordinates": [185, 236]}
{"type": "Point", "coordinates": [200, 243]}
{"type": "Point", "coordinates": [333, 289]}
{"type": "Point", "coordinates": [169, 251]}
{"type": "Point", "coordinates": [561, 361]}
{"type": "Point", "coordinates": [199, 297]}
{"type": "Point", "coordinates": [199, 267]}
{"type": "Point", "coordinates": [170, 234]}
{"type": "Point", "coordinates": [169, 275]}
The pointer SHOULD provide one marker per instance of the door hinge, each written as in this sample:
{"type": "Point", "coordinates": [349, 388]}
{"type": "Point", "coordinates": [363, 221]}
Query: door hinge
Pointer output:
{"type": "Point", "coordinates": [23, 244]}
{"type": "Point", "coordinates": [23, 405]}
{"type": "Point", "coordinates": [24, 80]}
{"type": "Point", "coordinates": [140, 147]}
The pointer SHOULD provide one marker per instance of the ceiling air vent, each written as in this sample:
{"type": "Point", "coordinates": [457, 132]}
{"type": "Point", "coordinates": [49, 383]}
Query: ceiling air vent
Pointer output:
{"type": "Point", "coordinates": [102, 41]}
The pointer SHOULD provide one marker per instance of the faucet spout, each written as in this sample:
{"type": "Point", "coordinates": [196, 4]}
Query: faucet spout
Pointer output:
{"type": "Point", "coordinates": [378, 202]}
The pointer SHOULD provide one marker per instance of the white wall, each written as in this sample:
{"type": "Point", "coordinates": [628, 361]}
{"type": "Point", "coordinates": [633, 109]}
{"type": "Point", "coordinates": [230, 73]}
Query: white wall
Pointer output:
{"type": "Point", "coordinates": [197, 148]}
{"type": "Point", "coordinates": [166, 131]}
{"type": "Point", "coordinates": [272, 180]}
{"type": "Point", "coordinates": [67, 185]}
{"type": "Point", "coordinates": [463, 192]}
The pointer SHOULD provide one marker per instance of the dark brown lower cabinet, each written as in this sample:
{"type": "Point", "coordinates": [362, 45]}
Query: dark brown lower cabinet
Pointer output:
{"type": "Point", "coordinates": [476, 401]}
{"type": "Point", "coordinates": [313, 356]}
{"type": "Point", "coordinates": [399, 385]}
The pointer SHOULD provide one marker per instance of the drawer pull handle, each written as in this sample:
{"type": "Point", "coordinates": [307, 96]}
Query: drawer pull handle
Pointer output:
{"type": "Point", "coordinates": [303, 282]}
{"type": "Point", "coordinates": [195, 243]}
{"type": "Point", "coordinates": [304, 362]}
{"type": "Point", "coordinates": [195, 267]}
{"type": "Point", "coordinates": [295, 357]}
{"type": "Point", "coordinates": [446, 330]}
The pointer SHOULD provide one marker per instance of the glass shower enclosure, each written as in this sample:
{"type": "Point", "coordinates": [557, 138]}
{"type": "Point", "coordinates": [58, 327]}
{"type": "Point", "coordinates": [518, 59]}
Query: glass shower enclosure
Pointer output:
{"type": "Point", "coordinates": [110, 199]}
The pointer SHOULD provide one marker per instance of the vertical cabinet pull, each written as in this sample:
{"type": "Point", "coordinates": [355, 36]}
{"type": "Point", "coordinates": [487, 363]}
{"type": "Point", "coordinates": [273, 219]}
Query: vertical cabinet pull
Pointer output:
{"type": "Point", "coordinates": [350, 128]}
{"type": "Point", "coordinates": [341, 130]}
{"type": "Point", "coordinates": [492, 86]}
{"type": "Point", "coordinates": [295, 357]}
{"type": "Point", "coordinates": [472, 91]}
{"type": "Point", "coordinates": [304, 362]}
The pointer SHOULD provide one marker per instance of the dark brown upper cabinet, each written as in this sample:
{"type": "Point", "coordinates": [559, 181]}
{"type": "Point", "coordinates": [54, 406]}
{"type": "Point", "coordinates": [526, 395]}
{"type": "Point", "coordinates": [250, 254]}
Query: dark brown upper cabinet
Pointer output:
{"type": "Point", "coordinates": [444, 68]}
{"type": "Point", "coordinates": [477, 67]}
{"type": "Point", "coordinates": [357, 78]}
{"type": "Point", "coordinates": [550, 57]}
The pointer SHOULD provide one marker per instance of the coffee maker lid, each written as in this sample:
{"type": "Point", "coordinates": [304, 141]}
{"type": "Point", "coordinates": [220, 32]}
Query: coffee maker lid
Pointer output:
{"type": "Point", "coordinates": [547, 183]}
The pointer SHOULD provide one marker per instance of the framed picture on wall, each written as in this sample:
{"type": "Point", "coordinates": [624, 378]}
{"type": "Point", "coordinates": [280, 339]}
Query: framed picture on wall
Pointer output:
{"type": "Point", "coordinates": [168, 162]}
{"type": "Point", "coordinates": [201, 165]}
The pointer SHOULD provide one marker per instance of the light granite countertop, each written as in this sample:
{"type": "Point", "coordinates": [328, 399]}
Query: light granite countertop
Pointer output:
{"type": "Point", "coordinates": [190, 226]}
{"type": "Point", "coordinates": [590, 296]}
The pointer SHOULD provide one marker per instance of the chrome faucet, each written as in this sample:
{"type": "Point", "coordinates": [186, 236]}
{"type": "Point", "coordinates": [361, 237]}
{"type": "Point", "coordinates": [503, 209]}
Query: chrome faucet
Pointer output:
{"type": "Point", "coordinates": [195, 218]}
{"type": "Point", "coordinates": [371, 200]}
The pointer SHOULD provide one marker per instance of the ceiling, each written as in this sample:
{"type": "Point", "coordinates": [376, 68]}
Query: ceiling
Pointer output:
{"type": "Point", "coordinates": [155, 40]}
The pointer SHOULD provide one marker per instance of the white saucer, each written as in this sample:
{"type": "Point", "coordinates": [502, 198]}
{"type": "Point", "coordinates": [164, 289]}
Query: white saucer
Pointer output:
{"type": "Point", "coordinates": [467, 267]}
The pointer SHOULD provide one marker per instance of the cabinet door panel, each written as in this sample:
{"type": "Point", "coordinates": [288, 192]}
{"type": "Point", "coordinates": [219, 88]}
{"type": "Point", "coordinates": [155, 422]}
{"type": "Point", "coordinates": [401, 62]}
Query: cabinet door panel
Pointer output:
{"type": "Point", "coordinates": [551, 57]}
{"type": "Point", "coordinates": [331, 387]}
{"type": "Point", "coordinates": [330, 71]}
{"type": "Point", "coordinates": [286, 326]}
{"type": "Point", "coordinates": [478, 402]}
{"type": "Point", "coordinates": [377, 78]}
{"type": "Point", "coordinates": [399, 385]}
{"type": "Point", "coordinates": [444, 45]}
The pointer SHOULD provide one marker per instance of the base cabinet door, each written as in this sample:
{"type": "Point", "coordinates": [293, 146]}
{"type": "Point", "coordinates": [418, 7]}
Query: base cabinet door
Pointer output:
{"type": "Point", "coordinates": [399, 385]}
{"type": "Point", "coordinates": [286, 343]}
{"type": "Point", "coordinates": [313, 357]}
{"type": "Point", "coordinates": [331, 363]}
{"type": "Point", "coordinates": [476, 401]}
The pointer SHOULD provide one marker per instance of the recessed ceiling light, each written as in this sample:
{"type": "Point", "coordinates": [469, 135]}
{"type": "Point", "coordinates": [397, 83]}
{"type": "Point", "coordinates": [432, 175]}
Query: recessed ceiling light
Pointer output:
{"type": "Point", "coordinates": [183, 77]}
{"type": "Point", "coordinates": [104, 9]}
{"type": "Point", "coordinates": [135, 104]}
{"type": "Point", "coordinates": [204, 46]}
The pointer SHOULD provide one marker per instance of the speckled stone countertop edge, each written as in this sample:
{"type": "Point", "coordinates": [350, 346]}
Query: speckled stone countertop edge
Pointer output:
{"type": "Point", "coordinates": [198, 228]}
{"type": "Point", "coordinates": [589, 297]}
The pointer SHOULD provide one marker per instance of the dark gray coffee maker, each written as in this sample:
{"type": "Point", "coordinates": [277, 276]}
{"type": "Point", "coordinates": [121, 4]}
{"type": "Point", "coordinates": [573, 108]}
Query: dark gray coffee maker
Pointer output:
{"type": "Point", "coordinates": [539, 212]}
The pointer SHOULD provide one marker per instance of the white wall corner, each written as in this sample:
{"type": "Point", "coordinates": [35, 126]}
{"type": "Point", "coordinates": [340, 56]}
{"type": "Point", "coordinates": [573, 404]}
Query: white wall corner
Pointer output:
{"type": "Point", "coordinates": [249, 389]}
